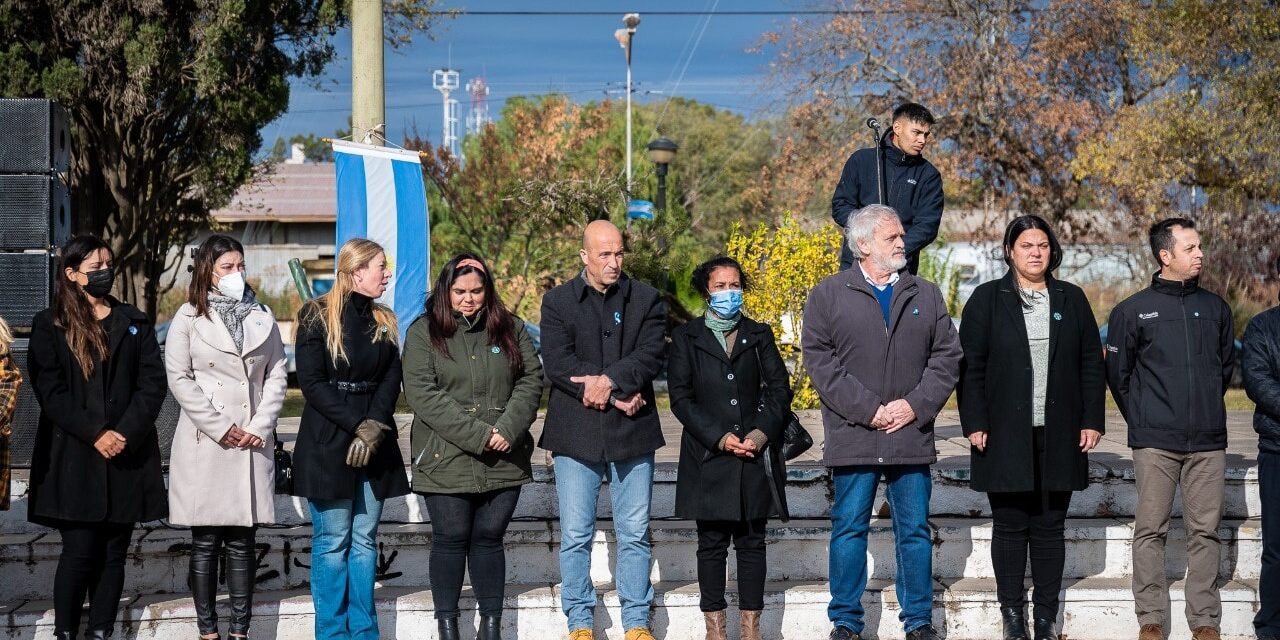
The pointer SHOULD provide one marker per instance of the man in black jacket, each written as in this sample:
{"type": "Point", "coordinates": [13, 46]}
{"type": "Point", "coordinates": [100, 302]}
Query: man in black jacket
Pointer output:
{"type": "Point", "coordinates": [906, 181]}
{"type": "Point", "coordinates": [602, 346]}
{"type": "Point", "coordinates": [1169, 358]}
{"type": "Point", "coordinates": [1261, 363]}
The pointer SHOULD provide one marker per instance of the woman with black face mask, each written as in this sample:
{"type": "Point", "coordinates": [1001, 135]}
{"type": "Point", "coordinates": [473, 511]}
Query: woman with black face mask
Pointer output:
{"type": "Point", "coordinates": [96, 371]}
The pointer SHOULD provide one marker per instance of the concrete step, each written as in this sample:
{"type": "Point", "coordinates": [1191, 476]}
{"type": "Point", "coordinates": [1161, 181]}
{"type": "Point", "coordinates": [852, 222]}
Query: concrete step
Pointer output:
{"type": "Point", "coordinates": [1097, 609]}
{"type": "Point", "coordinates": [1111, 494]}
{"type": "Point", "coordinates": [1096, 548]}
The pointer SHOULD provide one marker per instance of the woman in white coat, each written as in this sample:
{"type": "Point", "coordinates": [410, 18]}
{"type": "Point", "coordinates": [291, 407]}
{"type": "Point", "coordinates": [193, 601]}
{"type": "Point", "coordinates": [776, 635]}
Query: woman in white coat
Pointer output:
{"type": "Point", "coordinates": [227, 370]}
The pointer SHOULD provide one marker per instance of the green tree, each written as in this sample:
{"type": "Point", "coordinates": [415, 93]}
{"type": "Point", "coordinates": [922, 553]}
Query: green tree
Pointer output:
{"type": "Point", "coordinates": [166, 101]}
{"type": "Point", "coordinates": [314, 148]}
{"type": "Point", "coordinates": [531, 181]}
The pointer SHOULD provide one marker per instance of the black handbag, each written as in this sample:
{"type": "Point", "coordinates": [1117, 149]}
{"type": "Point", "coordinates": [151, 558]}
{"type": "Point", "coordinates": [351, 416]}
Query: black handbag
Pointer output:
{"type": "Point", "coordinates": [284, 470]}
{"type": "Point", "coordinates": [795, 438]}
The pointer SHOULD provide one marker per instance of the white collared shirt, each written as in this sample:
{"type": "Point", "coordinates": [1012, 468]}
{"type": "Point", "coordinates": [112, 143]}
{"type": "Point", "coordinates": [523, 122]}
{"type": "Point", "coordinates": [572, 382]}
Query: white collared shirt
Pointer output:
{"type": "Point", "coordinates": [893, 279]}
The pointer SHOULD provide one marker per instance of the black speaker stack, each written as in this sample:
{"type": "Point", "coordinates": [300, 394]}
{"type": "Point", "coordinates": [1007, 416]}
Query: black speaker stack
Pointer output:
{"type": "Point", "coordinates": [35, 204]}
{"type": "Point", "coordinates": [35, 221]}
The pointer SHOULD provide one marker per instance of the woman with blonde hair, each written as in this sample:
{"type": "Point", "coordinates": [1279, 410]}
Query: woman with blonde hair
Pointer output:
{"type": "Point", "coordinates": [347, 460]}
{"type": "Point", "coordinates": [227, 370]}
{"type": "Point", "coordinates": [10, 382]}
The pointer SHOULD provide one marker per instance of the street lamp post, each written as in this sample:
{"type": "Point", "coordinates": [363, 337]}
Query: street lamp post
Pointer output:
{"type": "Point", "coordinates": [624, 37]}
{"type": "Point", "coordinates": [662, 152]}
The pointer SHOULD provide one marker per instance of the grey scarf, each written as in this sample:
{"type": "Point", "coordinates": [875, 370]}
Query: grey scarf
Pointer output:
{"type": "Point", "coordinates": [233, 312]}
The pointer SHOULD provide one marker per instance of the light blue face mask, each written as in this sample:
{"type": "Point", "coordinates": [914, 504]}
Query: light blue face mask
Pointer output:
{"type": "Point", "coordinates": [726, 303]}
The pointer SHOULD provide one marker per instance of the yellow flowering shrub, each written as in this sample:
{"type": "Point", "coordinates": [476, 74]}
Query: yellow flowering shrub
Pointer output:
{"type": "Point", "coordinates": [783, 264]}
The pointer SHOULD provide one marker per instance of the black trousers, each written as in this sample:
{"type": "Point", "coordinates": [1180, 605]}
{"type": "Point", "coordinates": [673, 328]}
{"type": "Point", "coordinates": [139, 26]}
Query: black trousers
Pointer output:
{"type": "Point", "coordinates": [1267, 622]}
{"type": "Point", "coordinates": [713, 550]}
{"type": "Point", "coordinates": [1031, 520]}
{"type": "Point", "coordinates": [207, 546]}
{"type": "Point", "coordinates": [92, 563]}
{"type": "Point", "coordinates": [467, 529]}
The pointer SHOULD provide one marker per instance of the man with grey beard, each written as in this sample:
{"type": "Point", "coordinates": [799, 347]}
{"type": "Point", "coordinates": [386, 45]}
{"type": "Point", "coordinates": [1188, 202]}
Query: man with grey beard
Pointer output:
{"type": "Point", "coordinates": [884, 356]}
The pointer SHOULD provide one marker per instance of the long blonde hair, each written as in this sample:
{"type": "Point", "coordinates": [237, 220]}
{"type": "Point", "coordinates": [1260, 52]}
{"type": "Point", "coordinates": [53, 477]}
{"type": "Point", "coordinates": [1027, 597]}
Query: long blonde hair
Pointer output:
{"type": "Point", "coordinates": [354, 255]}
{"type": "Point", "coordinates": [6, 337]}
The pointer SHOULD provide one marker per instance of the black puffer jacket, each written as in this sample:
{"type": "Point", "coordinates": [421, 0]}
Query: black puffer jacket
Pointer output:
{"type": "Point", "coordinates": [1169, 358]}
{"type": "Point", "coordinates": [1261, 363]}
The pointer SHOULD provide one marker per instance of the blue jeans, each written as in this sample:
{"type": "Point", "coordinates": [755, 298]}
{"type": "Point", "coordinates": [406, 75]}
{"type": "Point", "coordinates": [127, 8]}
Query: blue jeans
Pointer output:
{"type": "Point", "coordinates": [909, 488]}
{"type": "Point", "coordinates": [630, 488]}
{"type": "Point", "coordinates": [344, 560]}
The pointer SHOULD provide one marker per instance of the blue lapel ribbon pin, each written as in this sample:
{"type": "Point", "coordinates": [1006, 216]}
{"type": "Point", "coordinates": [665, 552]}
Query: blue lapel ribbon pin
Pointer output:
{"type": "Point", "coordinates": [617, 317]}
{"type": "Point", "coordinates": [133, 331]}
{"type": "Point", "coordinates": [495, 349]}
{"type": "Point", "coordinates": [1057, 315]}
{"type": "Point", "coordinates": [915, 311]}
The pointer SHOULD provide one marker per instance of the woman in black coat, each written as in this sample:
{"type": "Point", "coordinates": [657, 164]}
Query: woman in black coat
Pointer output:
{"type": "Point", "coordinates": [1031, 402]}
{"type": "Point", "coordinates": [96, 371]}
{"type": "Point", "coordinates": [731, 391]}
{"type": "Point", "coordinates": [347, 460]}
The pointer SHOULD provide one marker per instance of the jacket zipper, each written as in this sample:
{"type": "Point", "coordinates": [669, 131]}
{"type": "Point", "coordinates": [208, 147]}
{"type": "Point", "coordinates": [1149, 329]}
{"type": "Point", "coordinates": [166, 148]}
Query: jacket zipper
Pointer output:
{"type": "Point", "coordinates": [1186, 339]}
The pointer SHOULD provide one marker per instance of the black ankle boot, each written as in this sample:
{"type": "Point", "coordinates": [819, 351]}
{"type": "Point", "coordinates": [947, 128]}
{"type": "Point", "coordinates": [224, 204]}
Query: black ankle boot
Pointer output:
{"type": "Point", "coordinates": [64, 635]}
{"type": "Point", "coordinates": [448, 628]}
{"type": "Point", "coordinates": [1045, 629]}
{"type": "Point", "coordinates": [100, 634]}
{"type": "Point", "coordinates": [1015, 623]}
{"type": "Point", "coordinates": [490, 628]}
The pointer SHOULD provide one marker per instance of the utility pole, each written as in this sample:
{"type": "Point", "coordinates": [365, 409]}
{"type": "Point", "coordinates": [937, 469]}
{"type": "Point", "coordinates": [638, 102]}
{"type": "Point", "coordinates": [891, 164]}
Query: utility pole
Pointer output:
{"type": "Point", "coordinates": [368, 109]}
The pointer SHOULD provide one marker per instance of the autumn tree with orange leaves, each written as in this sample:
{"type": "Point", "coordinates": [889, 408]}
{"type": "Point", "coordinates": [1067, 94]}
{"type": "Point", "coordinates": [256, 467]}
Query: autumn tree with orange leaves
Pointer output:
{"type": "Point", "coordinates": [531, 182]}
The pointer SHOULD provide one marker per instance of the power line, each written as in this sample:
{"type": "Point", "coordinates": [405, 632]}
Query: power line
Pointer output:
{"type": "Point", "coordinates": [810, 12]}
{"type": "Point", "coordinates": [672, 92]}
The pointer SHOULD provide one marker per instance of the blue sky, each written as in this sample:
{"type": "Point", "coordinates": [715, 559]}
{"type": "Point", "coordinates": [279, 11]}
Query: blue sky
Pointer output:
{"type": "Point", "coordinates": [700, 57]}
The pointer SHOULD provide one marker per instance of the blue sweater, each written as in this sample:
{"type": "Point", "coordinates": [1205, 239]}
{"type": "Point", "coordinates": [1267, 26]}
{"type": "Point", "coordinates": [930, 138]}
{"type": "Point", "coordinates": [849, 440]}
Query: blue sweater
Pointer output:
{"type": "Point", "coordinates": [884, 297]}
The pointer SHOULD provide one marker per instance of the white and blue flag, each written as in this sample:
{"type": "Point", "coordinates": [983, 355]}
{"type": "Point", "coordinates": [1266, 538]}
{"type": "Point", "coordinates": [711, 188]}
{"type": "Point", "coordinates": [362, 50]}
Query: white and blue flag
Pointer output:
{"type": "Point", "coordinates": [381, 196]}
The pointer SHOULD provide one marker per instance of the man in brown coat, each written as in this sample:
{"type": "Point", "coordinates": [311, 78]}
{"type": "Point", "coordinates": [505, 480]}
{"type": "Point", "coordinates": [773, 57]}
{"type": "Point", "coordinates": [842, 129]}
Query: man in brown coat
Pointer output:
{"type": "Point", "coordinates": [884, 357]}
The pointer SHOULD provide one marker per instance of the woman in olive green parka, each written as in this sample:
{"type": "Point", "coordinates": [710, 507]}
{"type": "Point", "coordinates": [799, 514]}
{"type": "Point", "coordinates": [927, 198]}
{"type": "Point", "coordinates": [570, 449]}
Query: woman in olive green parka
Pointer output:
{"type": "Point", "coordinates": [474, 381]}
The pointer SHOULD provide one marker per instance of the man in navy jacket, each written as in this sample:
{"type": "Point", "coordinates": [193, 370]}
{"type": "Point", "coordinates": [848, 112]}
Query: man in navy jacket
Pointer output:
{"type": "Point", "coordinates": [1169, 358]}
{"type": "Point", "coordinates": [1261, 363]}
{"type": "Point", "coordinates": [908, 182]}
{"type": "Point", "coordinates": [602, 346]}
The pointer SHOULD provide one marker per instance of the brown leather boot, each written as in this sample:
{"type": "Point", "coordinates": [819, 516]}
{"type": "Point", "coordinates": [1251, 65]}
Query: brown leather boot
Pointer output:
{"type": "Point", "coordinates": [1151, 632]}
{"type": "Point", "coordinates": [1205, 633]}
{"type": "Point", "coordinates": [750, 625]}
{"type": "Point", "coordinates": [717, 625]}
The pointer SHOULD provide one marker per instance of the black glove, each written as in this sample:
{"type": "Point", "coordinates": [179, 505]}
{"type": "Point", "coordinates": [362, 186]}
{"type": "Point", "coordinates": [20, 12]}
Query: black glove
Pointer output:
{"type": "Point", "coordinates": [369, 435]}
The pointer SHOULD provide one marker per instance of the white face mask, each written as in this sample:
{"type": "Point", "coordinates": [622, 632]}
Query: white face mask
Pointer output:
{"type": "Point", "coordinates": [232, 285]}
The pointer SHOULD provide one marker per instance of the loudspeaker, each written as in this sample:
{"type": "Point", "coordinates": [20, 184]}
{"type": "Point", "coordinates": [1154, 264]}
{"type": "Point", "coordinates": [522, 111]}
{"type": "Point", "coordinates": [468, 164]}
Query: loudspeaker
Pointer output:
{"type": "Point", "coordinates": [35, 212]}
{"type": "Point", "coordinates": [26, 280]}
{"type": "Point", "coordinates": [34, 136]}
{"type": "Point", "coordinates": [26, 418]}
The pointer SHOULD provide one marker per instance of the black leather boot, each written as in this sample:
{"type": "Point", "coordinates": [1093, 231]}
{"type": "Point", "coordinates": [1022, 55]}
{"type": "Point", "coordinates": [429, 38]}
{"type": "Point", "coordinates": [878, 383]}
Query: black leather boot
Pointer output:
{"type": "Point", "coordinates": [1046, 629]}
{"type": "Point", "coordinates": [241, 564]}
{"type": "Point", "coordinates": [448, 628]}
{"type": "Point", "coordinates": [202, 576]}
{"type": "Point", "coordinates": [490, 628]}
{"type": "Point", "coordinates": [64, 635]}
{"type": "Point", "coordinates": [100, 634]}
{"type": "Point", "coordinates": [1015, 623]}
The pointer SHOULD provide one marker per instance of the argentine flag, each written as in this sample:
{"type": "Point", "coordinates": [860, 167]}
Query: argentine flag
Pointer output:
{"type": "Point", "coordinates": [381, 196]}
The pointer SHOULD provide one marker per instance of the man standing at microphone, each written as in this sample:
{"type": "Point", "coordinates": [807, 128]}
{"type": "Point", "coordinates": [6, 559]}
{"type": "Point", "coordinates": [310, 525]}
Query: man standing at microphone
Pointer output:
{"type": "Point", "coordinates": [894, 174]}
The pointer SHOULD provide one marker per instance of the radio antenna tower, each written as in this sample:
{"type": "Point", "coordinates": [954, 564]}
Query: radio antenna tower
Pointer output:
{"type": "Point", "coordinates": [446, 81]}
{"type": "Point", "coordinates": [478, 117]}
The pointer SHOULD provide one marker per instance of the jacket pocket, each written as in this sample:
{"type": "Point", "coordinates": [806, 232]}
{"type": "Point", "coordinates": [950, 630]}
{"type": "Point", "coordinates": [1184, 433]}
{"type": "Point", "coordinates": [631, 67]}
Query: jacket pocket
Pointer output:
{"type": "Point", "coordinates": [430, 453]}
